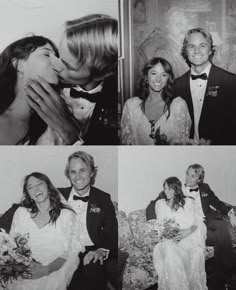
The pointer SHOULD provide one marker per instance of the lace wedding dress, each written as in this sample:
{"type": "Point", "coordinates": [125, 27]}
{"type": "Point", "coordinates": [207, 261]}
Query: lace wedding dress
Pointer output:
{"type": "Point", "coordinates": [47, 244]}
{"type": "Point", "coordinates": [181, 265]}
{"type": "Point", "coordinates": [136, 128]}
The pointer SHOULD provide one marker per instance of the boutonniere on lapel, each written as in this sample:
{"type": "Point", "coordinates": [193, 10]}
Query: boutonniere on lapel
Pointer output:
{"type": "Point", "coordinates": [94, 209]}
{"type": "Point", "coordinates": [212, 91]}
{"type": "Point", "coordinates": [204, 194]}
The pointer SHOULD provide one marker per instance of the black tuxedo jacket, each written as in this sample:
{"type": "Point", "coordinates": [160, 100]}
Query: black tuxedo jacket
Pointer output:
{"type": "Point", "coordinates": [218, 119]}
{"type": "Point", "coordinates": [101, 225]}
{"type": "Point", "coordinates": [103, 126]}
{"type": "Point", "coordinates": [207, 198]}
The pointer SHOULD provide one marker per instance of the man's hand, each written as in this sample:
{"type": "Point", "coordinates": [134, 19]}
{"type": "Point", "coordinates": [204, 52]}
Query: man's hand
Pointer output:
{"type": "Point", "coordinates": [232, 219]}
{"type": "Point", "coordinates": [51, 107]}
{"type": "Point", "coordinates": [94, 256]}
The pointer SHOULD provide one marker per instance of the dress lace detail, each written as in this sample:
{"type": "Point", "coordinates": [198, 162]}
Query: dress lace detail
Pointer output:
{"type": "Point", "coordinates": [181, 265]}
{"type": "Point", "coordinates": [136, 128]}
{"type": "Point", "coordinates": [47, 244]}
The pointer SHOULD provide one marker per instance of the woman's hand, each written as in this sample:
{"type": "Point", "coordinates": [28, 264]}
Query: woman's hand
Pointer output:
{"type": "Point", "coordinates": [36, 271]}
{"type": "Point", "coordinates": [185, 233]}
{"type": "Point", "coordinates": [51, 107]}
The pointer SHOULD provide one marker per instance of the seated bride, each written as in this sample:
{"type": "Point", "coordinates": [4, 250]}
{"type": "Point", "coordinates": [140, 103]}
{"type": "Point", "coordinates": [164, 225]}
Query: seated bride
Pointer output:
{"type": "Point", "coordinates": [54, 236]}
{"type": "Point", "coordinates": [179, 256]}
{"type": "Point", "coordinates": [155, 117]}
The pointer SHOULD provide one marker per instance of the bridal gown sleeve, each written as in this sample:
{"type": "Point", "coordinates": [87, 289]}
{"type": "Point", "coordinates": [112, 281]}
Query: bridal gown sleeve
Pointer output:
{"type": "Point", "coordinates": [180, 265]}
{"type": "Point", "coordinates": [18, 221]}
{"type": "Point", "coordinates": [127, 134]}
{"type": "Point", "coordinates": [73, 244]}
{"type": "Point", "coordinates": [180, 122]}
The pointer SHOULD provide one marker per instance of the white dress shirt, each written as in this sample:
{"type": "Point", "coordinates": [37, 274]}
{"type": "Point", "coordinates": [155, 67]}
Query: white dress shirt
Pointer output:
{"type": "Point", "coordinates": [198, 89]}
{"type": "Point", "coordinates": [80, 207]}
{"type": "Point", "coordinates": [81, 108]}
{"type": "Point", "coordinates": [197, 198]}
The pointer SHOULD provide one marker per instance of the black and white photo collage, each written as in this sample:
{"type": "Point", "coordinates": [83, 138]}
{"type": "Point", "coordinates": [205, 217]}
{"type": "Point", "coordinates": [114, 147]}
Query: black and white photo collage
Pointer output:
{"type": "Point", "coordinates": [118, 145]}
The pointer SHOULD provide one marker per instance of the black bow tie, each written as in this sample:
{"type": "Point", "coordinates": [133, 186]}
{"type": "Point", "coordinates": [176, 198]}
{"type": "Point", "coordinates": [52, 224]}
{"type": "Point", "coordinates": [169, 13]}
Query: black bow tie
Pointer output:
{"type": "Point", "coordinates": [93, 98]}
{"type": "Point", "coordinates": [202, 76]}
{"type": "Point", "coordinates": [193, 189]}
{"type": "Point", "coordinates": [83, 198]}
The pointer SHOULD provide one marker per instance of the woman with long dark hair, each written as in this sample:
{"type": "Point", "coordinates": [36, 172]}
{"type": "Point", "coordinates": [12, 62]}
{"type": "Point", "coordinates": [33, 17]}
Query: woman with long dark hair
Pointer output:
{"type": "Point", "coordinates": [155, 114]}
{"type": "Point", "coordinates": [22, 60]}
{"type": "Point", "coordinates": [54, 235]}
{"type": "Point", "coordinates": [179, 260]}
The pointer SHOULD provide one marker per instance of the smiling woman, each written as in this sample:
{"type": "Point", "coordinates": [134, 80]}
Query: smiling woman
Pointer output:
{"type": "Point", "coordinates": [155, 117]}
{"type": "Point", "coordinates": [53, 236]}
{"type": "Point", "coordinates": [23, 59]}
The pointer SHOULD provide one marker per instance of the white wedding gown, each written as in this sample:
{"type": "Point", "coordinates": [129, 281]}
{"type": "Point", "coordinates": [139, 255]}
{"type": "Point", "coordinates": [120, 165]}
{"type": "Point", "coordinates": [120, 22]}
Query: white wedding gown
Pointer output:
{"type": "Point", "coordinates": [136, 128]}
{"type": "Point", "coordinates": [47, 244]}
{"type": "Point", "coordinates": [181, 265]}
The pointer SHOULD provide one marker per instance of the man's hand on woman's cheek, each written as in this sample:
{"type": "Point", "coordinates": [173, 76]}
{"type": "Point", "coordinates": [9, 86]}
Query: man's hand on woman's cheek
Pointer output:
{"type": "Point", "coordinates": [51, 107]}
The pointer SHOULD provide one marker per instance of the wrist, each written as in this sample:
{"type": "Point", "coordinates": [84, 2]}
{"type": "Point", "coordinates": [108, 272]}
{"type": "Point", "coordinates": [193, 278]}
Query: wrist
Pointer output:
{"type": "Point", "coordinates": [46, 270]}
{"type": "Point", "coordinates": [70, 134]}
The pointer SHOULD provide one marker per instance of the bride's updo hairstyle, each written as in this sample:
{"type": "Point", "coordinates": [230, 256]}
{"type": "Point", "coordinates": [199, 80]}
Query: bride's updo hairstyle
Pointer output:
{"type": "Point", "coordinates": [179, 197]}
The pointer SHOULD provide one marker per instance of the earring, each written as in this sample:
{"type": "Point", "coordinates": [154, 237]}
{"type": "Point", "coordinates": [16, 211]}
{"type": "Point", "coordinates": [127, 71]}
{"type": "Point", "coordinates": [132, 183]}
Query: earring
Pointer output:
{"type": "Point", "coordinates": [21, 74]}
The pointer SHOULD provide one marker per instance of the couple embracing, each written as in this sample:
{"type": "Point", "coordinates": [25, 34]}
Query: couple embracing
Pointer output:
{"type": "Point", "coordinates": [180, 262]}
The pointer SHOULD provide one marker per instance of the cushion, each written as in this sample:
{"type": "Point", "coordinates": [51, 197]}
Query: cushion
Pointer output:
{"type": "Point", "coordinates": [232, 229]}
{"type": "Point", "coordinates": [139, 271]}
{"type": "Point", "coordinates": [144, 235]}
{"type": "Point", "coordinates": [121, 265]}
{"type": "Point", "coordinates": [125, 233]}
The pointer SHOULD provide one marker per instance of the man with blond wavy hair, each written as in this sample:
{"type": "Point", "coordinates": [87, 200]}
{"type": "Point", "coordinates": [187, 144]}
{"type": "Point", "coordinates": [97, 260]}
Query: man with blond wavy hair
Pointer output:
{"type": "Point", "coordinates": [88, 68]}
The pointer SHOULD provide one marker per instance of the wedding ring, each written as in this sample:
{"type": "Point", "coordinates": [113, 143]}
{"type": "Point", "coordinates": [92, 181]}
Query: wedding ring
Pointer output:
{"type": "Point", "coordinates": [38, 100]}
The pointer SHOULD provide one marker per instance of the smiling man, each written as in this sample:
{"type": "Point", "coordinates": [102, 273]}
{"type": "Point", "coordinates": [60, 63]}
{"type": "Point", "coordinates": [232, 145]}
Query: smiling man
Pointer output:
{"type": "Point", "coordinates": [208, 91]}
{"type": "Point", "coordinates": [96, 214]}
{"type": "Point", "coordinates": [88, 60]}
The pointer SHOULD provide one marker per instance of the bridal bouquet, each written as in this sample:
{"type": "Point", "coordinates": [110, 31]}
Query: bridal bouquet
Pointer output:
{"type": "Point", "coordinates": [188, 141]}
{"type": "Point", "coordinates": [15, 256]}
{"type": "Point", "coordinates": [168, 230]}
{"type": "Point", "coordinates": [161, 139]}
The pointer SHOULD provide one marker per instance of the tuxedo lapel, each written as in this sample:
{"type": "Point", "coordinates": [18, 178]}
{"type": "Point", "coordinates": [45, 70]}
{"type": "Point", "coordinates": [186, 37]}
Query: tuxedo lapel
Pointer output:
{"type": "Point", "coordinates": [207, 103]}
{"type": "Point", "coordinates": [65, 192]}
{"type": "Point", "coordinates": [89, 217]}
{"type": "Point", "coordinates": [188, 99]}
{"type": "Point", "coordinates": [204, 199]}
